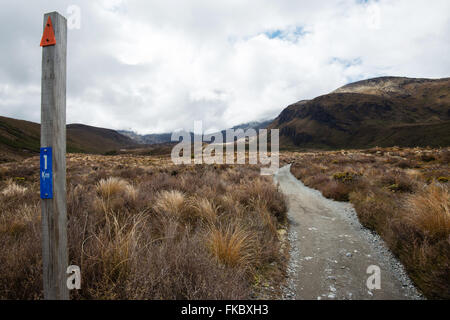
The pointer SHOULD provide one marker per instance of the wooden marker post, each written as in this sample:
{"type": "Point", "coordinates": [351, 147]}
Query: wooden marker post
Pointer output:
{"type": "Point", "coordinates": [53, 157]}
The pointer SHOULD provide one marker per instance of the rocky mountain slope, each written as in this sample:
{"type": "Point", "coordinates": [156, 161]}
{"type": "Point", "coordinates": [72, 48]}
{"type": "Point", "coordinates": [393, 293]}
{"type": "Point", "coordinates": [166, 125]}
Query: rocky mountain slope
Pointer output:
{"type": "Point", "coordinates": [381, 112]}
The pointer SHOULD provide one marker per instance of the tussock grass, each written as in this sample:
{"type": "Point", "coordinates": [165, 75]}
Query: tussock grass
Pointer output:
{"type": "Point", "coordinates": [429, 210]}
{"type": "Point", "coordinates": [170, 202]}
{"type": "Point", "coordinates": [111, 187]}
{"type": "Point", "coordinates": [113, 194]}
{"type": "Point", "coordinates": [13, 189]}
{"type": "Point", "coordinates": [140, 228]}
{"type": "Point", "coordinates": [203, 209]}
{"type": "Point", "coordinates": [233, 246]}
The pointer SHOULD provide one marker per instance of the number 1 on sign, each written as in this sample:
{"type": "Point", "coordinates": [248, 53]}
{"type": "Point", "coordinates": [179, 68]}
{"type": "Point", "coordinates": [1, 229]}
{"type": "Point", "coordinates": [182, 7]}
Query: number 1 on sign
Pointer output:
{"type": "Point", "coordinates": [46, 174]}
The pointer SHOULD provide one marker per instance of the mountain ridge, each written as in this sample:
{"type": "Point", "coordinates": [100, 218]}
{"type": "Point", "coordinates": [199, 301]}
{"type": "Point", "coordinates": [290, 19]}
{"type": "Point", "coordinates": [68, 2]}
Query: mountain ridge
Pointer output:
{"type": "Point", "coordinates": [22, 138]}
{"type": "Point", "coordinates": [157, 138]}
{"type": "Point", "coordinates": [383, 112]}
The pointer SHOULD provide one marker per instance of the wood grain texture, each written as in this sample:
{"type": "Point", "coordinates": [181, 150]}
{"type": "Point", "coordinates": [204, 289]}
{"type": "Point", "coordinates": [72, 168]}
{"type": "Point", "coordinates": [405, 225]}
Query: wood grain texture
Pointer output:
{"type": "Point", "coordinates": [53, 134]}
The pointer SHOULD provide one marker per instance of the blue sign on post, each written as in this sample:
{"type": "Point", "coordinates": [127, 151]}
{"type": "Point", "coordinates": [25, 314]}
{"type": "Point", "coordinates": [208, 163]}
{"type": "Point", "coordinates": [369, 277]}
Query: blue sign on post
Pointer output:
{"type": "Point", "coordinates": [46, 173]}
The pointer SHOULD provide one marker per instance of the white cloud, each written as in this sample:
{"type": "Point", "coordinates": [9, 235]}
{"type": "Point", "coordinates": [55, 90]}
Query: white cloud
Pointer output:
{"type": "Point", "coordinates": [154, 66]}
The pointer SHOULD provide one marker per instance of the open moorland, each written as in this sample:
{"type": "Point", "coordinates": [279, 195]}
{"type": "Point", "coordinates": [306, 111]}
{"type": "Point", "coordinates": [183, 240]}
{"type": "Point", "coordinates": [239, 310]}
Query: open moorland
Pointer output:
{"type": "Point", "coordinates": [141, 228]}
{"type": "Point", "coordinates": [400, 193]}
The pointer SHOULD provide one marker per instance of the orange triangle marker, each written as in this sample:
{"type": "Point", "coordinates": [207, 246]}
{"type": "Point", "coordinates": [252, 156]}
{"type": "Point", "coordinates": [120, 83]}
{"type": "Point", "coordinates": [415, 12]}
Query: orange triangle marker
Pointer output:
{"type": "Point", "coordinates": [48, 38]}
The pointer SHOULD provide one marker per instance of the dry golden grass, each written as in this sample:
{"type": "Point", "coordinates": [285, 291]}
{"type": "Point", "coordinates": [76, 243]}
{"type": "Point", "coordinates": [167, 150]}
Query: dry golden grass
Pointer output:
{"type": "Point", "coordinates": [113, 194]}
{"type": "Point", "coordinates": [111, 187]}
{"type": "Point", "coordinates": [429, 210]}
{"type": "Point", "coordinates": [13, 189]}
{"type": "Point", "coordinates": [264, 215]}
{"type": "Point", "coordinates": [203, 209]}
{"type": "Point", "coordinates": [140, 228]}
{"type": "Point", "coordinates": [170, 202]}
{"type": "Point", "coordinates": [233, 246]}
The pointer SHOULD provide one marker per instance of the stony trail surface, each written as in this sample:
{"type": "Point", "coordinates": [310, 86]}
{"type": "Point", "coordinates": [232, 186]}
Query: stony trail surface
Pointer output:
{"type": "Point", "coordinates": [331, 251]}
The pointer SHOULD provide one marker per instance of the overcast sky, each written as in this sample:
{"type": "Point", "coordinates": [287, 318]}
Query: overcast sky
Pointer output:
{"type": "Point", "coordinates": [156, 66]}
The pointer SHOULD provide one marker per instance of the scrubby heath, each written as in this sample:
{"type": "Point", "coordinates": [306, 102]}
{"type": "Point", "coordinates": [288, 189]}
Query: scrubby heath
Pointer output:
{"type": "Point", "coordinates": [141, 228]}
{"type": "Point", "coordinates": [401, 193]}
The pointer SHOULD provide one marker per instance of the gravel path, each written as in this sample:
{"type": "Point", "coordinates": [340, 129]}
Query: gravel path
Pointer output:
{"type": "Point", "coordinates": [331, 251]}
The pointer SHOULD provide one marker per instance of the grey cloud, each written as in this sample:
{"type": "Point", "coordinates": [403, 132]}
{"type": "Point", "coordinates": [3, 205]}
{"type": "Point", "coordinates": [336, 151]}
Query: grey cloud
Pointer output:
{"type": "Point", "coordinates": [156, 66]}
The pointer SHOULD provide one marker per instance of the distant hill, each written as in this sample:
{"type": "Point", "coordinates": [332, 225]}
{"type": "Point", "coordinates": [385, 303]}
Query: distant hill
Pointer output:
{"type": "Point", "coordinates": [256, 125]}
{"type": "Point", "coordinates": [158, 138]}
{"type": "Point", "coordinates": [96, 140]}
{"type": "Point", "coordinates": [253, 125]}
{"type": "Point", "coordinates": [153, 138]}
{"type": "Point", "coordinates": [383, 112]}
{"type": "Point", "coordinates": [19, 138]}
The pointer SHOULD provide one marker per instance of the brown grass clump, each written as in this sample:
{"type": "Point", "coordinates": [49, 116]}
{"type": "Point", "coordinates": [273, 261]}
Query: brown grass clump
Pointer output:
{"type": "Point", "coordinates": [113, 194]}
{"type": "Point", "coordinates": [181, 266]}
{"type": "Point", "coordinates": [397, 181]}
{"type": "Point", "coordinates": [20, 263]}
{"type": "Point", "coordinates": [13, 189]}
{"type": "Point", "coordinates": [429, 211]}
{"type": "Point", "coordinates": [110, 254]}
{"type": "Point", "coordinates": [374, 209]}
{"type": "Point", "coordinates": [260, 191]}
{"type": "Point", "coordinates": [170, 202]}
{"type": "Point", "coordinates": [111, 187]}
{"type": "Point", "coordinates": [203, 209]}
{"type": "Point", "coordinates": [337, 191]}
{"type": "Point", "coordinates": [233, 246]}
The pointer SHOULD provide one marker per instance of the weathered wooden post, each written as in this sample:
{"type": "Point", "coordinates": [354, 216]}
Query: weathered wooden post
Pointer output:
{"type": "Point", "coordinates": [53, 157]}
